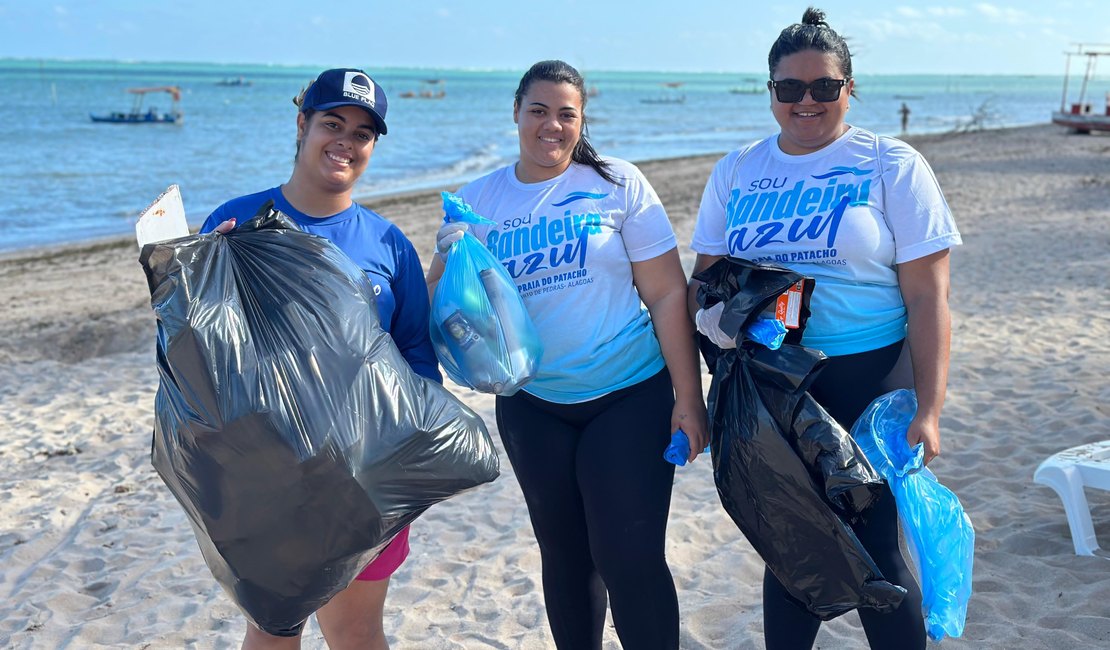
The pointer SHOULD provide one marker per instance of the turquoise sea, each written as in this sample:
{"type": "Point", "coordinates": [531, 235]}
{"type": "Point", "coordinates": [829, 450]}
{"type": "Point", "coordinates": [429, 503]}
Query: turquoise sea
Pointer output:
{"type": "Point", "coordinates": [66, 179]}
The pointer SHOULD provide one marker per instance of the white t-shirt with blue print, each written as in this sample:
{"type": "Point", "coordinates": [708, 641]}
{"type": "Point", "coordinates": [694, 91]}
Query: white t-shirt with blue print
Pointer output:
{"type": "Point", "coordinates": [569, 244]}
{"type": "Point", "coordinates": [829, 215]}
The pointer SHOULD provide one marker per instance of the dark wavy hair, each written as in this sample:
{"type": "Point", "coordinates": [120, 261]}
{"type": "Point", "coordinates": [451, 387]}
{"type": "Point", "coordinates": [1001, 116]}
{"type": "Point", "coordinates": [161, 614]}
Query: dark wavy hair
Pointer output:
{"type": "Point", "coordinates": [557, 71]}
{"type": "Point", "coordinates": [813, 33]}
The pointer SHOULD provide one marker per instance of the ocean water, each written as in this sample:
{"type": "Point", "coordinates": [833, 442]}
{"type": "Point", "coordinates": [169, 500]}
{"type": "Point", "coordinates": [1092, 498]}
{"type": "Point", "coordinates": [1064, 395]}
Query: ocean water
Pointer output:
{"type": "Point", "coordinates": [64, 178]}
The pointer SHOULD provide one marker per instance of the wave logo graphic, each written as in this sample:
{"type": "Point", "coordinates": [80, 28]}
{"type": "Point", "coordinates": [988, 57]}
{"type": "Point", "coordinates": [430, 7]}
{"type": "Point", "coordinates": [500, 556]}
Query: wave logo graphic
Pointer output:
{"type": "Point", "coordinates": [840, 171]}
{"type": "Point", "coordinates": [578, 196]}
{"type": "Point", "coordinates": [360, 85]}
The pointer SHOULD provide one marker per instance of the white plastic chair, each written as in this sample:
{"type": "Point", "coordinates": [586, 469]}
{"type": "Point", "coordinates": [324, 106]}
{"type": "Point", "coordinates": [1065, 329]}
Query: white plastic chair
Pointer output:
{"type": "Point", "coordinates": [1068, 472]}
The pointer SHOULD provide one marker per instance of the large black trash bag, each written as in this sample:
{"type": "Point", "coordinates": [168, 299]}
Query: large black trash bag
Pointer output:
{"type": "Point", "coordinates": [288, 425]}
{"type": "Point", "coordinates": [834, 459]}
{"type": "Point", "coordinates": [786, 472]}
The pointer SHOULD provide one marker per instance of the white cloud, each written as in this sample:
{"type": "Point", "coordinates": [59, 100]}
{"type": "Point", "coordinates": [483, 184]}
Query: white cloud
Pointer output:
{"type": "Point", "coordinates": [116, 28]}
{"type": "Point", "coordinates": [931, 12]}
{"type": "Point", "coordinates": [885, 29]}
{"type": "Point", "coordinates": [946, 12]}
{"type": "Point", "coordinates": [1003, 14]}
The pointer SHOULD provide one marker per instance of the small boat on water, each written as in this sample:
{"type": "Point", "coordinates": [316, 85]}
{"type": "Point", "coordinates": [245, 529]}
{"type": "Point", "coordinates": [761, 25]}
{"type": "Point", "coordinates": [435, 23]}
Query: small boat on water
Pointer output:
{"type": "Point", "coordinates": [151, 115]}
{"type": "Point", "coordinates": [751, 87]}
{"type": "Point", "coordinates": [1081, 116]}
{"type": "Point", "coordinates": [234, 81]}
{"type": "Point", "coordinates": [429, 89]}
{"type": "Point", "coordinates": [670, 95]}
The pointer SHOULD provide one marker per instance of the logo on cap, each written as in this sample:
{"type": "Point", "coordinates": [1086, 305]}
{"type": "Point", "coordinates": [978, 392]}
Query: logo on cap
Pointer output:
{"type": "Point", "coordinates": [359, 87]}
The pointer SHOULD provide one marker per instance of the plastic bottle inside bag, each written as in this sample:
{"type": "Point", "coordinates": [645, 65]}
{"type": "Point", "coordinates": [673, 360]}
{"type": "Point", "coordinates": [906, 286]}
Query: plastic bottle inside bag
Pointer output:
{"type": "Point", "coordinates": [472, 351]}
{"type": "Point", "coordinates": [517, 357]}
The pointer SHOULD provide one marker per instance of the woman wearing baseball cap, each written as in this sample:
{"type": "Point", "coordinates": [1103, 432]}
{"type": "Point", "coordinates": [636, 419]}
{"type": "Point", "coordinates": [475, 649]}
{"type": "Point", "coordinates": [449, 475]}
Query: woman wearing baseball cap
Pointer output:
{"type": "Point", "coordinates": [341, 115]}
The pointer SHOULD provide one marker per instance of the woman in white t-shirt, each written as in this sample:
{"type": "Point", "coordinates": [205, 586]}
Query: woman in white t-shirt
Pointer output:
{"type": "Point", "coordinates": [593, 255]}
{"type": "Point", "coordinates": [865, 217]}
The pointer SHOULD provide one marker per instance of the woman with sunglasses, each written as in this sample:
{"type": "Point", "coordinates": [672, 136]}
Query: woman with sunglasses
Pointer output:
{"type": "Point", "coordinates": [864, 216]}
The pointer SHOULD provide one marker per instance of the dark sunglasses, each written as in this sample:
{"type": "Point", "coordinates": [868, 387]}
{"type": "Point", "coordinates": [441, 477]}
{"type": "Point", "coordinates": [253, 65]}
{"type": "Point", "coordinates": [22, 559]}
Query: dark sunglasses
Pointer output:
{"type": "Point", "coordinates": [790, 91]}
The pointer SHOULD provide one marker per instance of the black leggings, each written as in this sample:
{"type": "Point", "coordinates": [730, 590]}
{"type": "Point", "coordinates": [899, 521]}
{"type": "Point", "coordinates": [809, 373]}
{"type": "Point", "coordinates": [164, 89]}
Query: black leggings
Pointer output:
{"type": "Point", "coordinates": [598, 493]}
{"type": "Point", "coordinates": [845, 387]}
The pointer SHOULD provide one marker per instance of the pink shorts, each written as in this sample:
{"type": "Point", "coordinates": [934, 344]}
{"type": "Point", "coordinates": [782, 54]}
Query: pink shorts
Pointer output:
{"type": "Point", "coordinates": [389, 560]}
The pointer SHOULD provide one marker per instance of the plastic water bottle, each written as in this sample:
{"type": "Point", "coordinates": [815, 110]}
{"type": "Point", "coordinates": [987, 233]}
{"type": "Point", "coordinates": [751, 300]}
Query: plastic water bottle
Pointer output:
{"type": "Point", "coordinates": [516, 355]}
{"type": "Point", "coordinates": [470, 351]}
{"type": "Point", "coordinates": [460, 330]}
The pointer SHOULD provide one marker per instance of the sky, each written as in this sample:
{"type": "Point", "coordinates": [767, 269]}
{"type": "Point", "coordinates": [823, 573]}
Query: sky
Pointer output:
{"type": "Point", "coordinates": [943, 37]}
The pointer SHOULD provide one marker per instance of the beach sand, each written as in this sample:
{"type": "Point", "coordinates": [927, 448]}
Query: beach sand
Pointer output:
{"type": "Point", "coordinates": [95, 552]}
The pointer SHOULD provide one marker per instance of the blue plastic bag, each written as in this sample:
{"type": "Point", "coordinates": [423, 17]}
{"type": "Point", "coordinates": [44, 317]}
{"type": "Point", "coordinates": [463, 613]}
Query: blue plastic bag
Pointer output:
{"type": "Point", "coordinates": [938, 531]}
{"type": "Point", "coordinates": [678, 450]}
{"type": "Point", "coordinates": [768, 332]}
{"type": "Point", "coordinates": [480, 328]}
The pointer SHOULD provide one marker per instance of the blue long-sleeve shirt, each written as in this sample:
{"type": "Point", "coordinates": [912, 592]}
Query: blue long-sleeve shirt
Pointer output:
{"type": "Point", "coordinates": [381, 250]}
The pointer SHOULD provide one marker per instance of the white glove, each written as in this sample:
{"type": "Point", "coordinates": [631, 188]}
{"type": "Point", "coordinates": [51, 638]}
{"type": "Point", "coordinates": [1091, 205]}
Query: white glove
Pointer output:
{"type": "Point", "coordinates": [709, 323]}
{"type": "Point", "coordinates": [448, 234]}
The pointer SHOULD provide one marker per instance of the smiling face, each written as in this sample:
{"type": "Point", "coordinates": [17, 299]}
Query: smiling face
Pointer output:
{"type": "Point", "coordinates": [808, 125]}
{"type": "Point", "coordinates": [334, 148]}
{"type": "Point", "coordinates": [549, 123]}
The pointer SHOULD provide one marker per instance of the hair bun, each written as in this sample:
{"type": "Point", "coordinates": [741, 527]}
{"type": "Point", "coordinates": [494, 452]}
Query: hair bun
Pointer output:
{"type": "Point", "coordinates": [814, 16]}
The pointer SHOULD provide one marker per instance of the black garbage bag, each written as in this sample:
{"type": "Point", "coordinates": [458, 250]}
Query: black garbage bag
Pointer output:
{"type": "Point", "coordinates": [288, 425]}
{"type": "Point", "coordinates": [786, 472]}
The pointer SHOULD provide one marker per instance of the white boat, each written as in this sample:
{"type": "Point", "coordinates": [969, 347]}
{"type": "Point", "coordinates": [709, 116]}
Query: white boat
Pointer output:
{"type": "Point", "coordinates": [151, 116]}
{"type": "Point", "coordinates": [1081, 116]}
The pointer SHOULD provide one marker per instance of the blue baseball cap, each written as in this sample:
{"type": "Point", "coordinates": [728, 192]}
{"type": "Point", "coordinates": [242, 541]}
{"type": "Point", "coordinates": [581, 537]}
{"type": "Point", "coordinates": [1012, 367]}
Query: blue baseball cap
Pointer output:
{"type": "Point", "coordinates": [347, 87]}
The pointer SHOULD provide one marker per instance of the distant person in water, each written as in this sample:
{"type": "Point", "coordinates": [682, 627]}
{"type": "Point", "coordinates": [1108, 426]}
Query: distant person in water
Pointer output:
{"type": "Point", "coordinates": [905, 111]}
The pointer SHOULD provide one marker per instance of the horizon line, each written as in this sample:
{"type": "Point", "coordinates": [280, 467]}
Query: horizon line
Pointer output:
{"type": "Point", "coordinates": [483, 69]}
